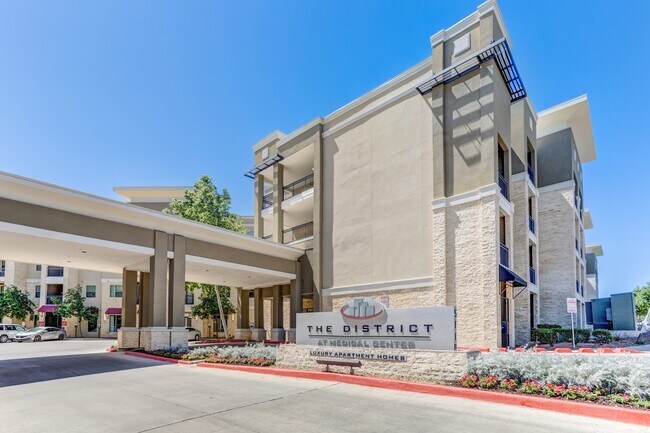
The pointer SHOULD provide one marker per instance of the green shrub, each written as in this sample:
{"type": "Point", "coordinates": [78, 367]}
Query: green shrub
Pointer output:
{"type": "Point", "coordinates": [581, 335]}
{"type": "Point", "coordinates": [602, 335]}
{"type": "Point", "coordinates": [544, 335]}
{"type": "Point", "coordinates": [547, 326]}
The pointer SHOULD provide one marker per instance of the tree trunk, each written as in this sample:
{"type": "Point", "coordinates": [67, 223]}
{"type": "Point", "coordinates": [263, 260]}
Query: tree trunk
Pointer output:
{"type": "Point", "coordinates": [223, 319]}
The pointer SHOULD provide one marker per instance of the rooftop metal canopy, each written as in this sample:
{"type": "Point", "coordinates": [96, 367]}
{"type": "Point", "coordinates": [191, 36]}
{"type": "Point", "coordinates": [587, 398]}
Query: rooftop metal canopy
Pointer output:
{"type": "Point", "coordinates": [500, 52]}
{"type": "Point", "coordinates": [264, 165]}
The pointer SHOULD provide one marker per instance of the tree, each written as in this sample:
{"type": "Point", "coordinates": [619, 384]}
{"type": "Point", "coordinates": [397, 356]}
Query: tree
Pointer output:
{"type": "Point", "coordinates": [642, 300]}
{"type": "Point", "coordinates": [214, 303]}
{"type": "Point", "coordinates": [73, 305]}
{"type": "Point", "coordinates": [16, 304]}
{"type": "Point", "coordinates": [203, 203]}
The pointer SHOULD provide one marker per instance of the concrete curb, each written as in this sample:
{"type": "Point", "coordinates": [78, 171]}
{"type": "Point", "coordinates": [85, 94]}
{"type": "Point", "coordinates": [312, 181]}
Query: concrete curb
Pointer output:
{"type": "Point", "coordinates": [159, 358]}
{"type": "Point", "coordinates": [612, 413]}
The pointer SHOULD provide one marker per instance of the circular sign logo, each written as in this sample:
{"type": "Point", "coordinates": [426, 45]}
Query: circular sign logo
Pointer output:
{"type": "Point", "coordinates": [362, 308]}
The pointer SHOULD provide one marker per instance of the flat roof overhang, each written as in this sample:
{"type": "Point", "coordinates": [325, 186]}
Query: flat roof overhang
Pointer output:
{"type": "Point", "coordinates": [46, 224]}
{"type": "Point", "coordinates": [597, 249]}
{"type": "Point", "coordinates": [499, 51]}
{"type": "Point", "coordinates": [574, 114]}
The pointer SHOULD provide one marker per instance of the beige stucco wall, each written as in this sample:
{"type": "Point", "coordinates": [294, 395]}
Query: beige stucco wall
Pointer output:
{"type": "Point", "coordinates": [376, 197]}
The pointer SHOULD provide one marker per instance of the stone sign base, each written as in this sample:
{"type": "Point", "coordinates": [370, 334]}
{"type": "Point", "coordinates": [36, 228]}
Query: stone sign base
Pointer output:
{"type": "Point", "coordinates": [153, 338]}
{"type": "Point", "coordinates": [430, 366]}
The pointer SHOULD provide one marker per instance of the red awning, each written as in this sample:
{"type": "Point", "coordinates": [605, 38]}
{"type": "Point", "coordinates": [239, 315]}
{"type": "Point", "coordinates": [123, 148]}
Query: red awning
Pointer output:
{"type": "Point", "coordinates": [113, 311]}
{"type": "Point", "coordinates": [48, 308]}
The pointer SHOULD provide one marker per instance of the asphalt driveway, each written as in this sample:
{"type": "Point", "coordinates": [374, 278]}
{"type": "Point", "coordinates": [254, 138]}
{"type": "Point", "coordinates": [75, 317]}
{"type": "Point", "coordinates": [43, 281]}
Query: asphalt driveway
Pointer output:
{"type": "Point", "coordinates": [75, 386]}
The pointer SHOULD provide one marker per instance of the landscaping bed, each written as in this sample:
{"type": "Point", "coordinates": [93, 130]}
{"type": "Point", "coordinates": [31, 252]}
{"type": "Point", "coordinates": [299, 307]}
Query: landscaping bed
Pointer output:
{"type": "Point", "coordinates": [622, 380]}
{"type": "Point", "coordinates": [258, 354]}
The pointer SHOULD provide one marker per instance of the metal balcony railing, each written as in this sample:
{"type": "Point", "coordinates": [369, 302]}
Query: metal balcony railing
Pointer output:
{"type": "Point", "coordinates": [267, 200]}
{"type": "Point", "coordinates": [533, 276]}
{"type": "Point", "coordinates": [54, 271]}
{"type": "Point", "coordinates": [189, 298]}
{"type": "Point", "coordinates": [531, 174]}
{"type": "Point", "coordinates": [297, 233]}
{"type": "Point", "coordinates": [531, 224]}
{"type": "Point", "coordinates": [503, 186]}
{"type": "Point", "coordinates": [295, 188]}
{"type": "Point", "coordinates": [53, 299]}
{"type": "Point", "coordinates": [503, 255]}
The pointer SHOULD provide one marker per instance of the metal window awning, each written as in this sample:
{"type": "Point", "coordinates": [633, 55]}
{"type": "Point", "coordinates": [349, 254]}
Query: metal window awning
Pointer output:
{"type": "Point", "coordinates": [264, 165]}
{"type": "Point", "coordinates": [508, 276]}
{"type": "Point", "coordinates": [500, 52]}
{"type": "Point", "coordinates": [113, 311]}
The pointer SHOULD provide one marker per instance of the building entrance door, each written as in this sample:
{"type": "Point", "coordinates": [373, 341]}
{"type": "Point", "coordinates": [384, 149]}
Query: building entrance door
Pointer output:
{"type": "Point", "coordinates": [53, 320]}
{"type": "Point", "coordinates": [505, 321]}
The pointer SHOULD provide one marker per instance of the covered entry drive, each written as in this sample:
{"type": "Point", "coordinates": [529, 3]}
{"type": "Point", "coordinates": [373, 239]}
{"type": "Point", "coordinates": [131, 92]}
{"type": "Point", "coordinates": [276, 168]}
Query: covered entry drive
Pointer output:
{"type": "Point", "coordinates": [155, 252]}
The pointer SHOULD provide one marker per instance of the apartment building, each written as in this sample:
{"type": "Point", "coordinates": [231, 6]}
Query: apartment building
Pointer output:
{"type": "Point", "coordinates": [565, 142]}
{"type": "Point", "coordinates": [429, 190]}
{"type": "Point", "coordinates": [47, 284]}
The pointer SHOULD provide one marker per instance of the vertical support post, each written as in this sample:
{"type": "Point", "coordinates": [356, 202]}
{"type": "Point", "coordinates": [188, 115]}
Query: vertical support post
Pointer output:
{"type": "Point", "coordinates": [144, 313]}
{"type": "Point", "coordinates": [242, 309]}
{"type": "Point", "coordinates": [258, 228]}
{"type": "Point", "coordinates": [129, 294]}
{"type": "Point", "coordinates": [259, 334]}
{"type": "Point", "coordinates": [278, 214]}
{"type": "Point", "coordinates": [176, 308]}
{"type": "Point", "coordinates": [277, 331]}
{"type": "Point", "coordinates": [295, 302]}
{"type": "Point", "coordinates": [157, 302]}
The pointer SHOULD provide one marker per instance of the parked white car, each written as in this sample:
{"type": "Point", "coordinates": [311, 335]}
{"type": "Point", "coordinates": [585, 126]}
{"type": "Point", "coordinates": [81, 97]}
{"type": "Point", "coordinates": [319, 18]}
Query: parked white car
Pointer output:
{"type": "Point", "coordinates": [193, 334]}
{"type": "Point", "coordinates": [41, 333]}
{"type": "Point", "coordinates": [8, 331]}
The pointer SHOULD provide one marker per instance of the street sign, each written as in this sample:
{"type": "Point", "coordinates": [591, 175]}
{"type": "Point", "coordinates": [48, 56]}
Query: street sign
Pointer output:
{"type": "Point", "coordinates": [571, 305]}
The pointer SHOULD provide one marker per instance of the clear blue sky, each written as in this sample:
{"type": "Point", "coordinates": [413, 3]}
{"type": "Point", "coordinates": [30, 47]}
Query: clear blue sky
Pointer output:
{"type": "Point", "coordinates": [98, 94]}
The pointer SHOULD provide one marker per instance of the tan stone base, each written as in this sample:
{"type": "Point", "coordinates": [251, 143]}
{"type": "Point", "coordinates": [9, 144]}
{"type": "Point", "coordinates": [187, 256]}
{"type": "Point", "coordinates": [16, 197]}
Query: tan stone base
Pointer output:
{"type": "Point", "coordinates": [277, 334]}
{"type": "Point", "coordinates": [291, 335]}
{"type": "Point", "coordinates": [243, 334]}
{"type": "Point", "coordinates": [258, 334]}
{"type": "Point", "coordinates": [430, 366]}
{"type": "Point", "coordinates": [128, 338]}
{"type": "Point", "coordinates": [151, 338]}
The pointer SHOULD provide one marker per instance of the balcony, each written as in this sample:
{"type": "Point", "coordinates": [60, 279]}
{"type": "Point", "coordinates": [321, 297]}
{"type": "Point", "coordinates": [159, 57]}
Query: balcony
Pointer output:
{"type": "Point", "coordinates": [54, 271]}
{"type": "Point", "coordinates": [531, 224]}
{"type": "Point", "coordinates": [189, 298]}
{"type": "Point", "coordinates": [54, 299]}
{"type": "Point", "coordinates": [533, 276]}
{"type": "Point", "coordinates": [297, 187]}
{"type": "Point", "coordinates": [503, 186]}
{"type": "Point", "coordinates": [531, 174]}
{"type": "Point", "coordinates": [303, 231]}
{"type": "Point", "coordinates": [267, 200]}
{"type": "Point", "coordinates": [503, 255]}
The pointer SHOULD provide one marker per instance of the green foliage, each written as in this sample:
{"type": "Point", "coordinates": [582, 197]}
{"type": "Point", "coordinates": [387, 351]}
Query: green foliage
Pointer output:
{"type": "Point", "coordinates": [206, 205]}
{"type": "Point", "coordinates": [208, 307]}
{"type": "Point", "coordinates": [547, 326]}
{"type": "Point", "coordinates": [16, 304]}
{"type": "Point", "coordinates": [73, 305]}
{"type": "Point", "coordinates": [602, 335]}
{"type": "Point", "coordinates": [551, 334]}
{"type": "Point", "coordinates": [544, 335]}
{"type": "Point", "coordinates": [642, 300]}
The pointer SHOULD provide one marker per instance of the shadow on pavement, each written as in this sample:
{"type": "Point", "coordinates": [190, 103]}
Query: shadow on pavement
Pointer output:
{"type": "Point", "coordinates": [40, 369]}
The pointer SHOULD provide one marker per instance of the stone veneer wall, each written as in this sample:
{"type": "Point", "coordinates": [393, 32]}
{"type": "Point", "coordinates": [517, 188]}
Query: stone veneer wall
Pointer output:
{"type": "Point", "coordinates": [520, 263]}
{"type": "Point", "coordinates": [430, 366]}
{"type": "Point", "coordinates": [404, 298]}
{"type": "Point", "coordinates": [469, 263]}
{"type": "Point", "coordinates": [557, 258]}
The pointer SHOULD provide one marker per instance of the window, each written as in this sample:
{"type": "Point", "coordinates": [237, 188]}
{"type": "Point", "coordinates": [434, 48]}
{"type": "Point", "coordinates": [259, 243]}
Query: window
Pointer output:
{"type": "Point", "coordinates": [92, 323]}
{"type": "Point", "coordinates": [37, 291]}
{"type": "Point", "coordinates": [188, 322]}
{"type": "Point", "coordinates": [116, 291]}
{"type": "Point", "coordinates": [115, 322]}
{"type": "Point", "coordinates": [38, 267]}
{"type": "Point", "coordinates": [91, 291]}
